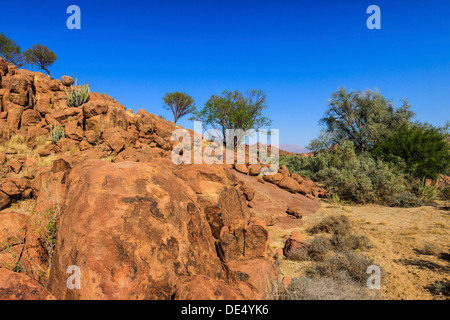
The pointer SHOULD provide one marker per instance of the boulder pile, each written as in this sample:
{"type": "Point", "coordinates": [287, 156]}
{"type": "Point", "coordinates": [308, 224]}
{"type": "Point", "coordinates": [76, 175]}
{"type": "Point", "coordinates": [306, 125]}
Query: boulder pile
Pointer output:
{"type": "Point", "coordinates": [112, 203]}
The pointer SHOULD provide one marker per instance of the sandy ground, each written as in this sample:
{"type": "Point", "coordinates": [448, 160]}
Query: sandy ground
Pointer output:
{"type": "Point", "coordinates": [399, 236]}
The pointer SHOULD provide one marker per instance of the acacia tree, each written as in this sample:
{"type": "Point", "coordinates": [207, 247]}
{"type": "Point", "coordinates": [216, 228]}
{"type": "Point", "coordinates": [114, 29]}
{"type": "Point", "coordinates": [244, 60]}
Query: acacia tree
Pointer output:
{"type": "Point", "coordinates": [40, 56]}
{"type": "Point", "coordinates": [234, 110]}
{"type": "Point", "coordinates": [364, 118]}
{"type": "Point", "coordinates": [11, 52]}
{"type": "Point", "coordinates": [179, 103]}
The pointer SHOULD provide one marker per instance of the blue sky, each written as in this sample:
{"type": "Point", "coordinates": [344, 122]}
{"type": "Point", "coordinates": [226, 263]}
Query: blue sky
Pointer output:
{"type": "Point", "coordinates": [299, 52]}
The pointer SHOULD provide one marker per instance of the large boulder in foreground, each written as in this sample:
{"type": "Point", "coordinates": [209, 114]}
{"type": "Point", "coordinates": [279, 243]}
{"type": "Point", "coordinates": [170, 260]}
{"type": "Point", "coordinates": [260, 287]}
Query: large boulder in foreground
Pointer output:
{"type": "Point", "coordinates": [135, 231]}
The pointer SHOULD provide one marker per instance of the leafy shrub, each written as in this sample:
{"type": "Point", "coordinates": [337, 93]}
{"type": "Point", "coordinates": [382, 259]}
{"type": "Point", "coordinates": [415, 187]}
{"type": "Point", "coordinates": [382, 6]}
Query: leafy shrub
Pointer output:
{"type": "Point", "coordinates": [404, 200]}
{"type": "Point", "coordinates": [354, 177]}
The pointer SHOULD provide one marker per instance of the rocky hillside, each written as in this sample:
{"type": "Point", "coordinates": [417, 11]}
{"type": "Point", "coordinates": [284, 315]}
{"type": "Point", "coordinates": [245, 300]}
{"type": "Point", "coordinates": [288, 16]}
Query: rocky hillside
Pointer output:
{"type": "Point", "coordinates": [107, 198]}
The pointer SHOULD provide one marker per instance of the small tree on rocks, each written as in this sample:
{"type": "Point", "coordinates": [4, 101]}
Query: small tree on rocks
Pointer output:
{"type": "Point", "coordinates": [179, 103]}
{"type": "Point", "coordinates": [40, 56]}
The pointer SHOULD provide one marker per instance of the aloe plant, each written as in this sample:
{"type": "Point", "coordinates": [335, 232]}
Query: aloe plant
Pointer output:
{"type": "Point", "coordinates": [78, 96]}
{"type": "Point", "coordinates": [56, 133]}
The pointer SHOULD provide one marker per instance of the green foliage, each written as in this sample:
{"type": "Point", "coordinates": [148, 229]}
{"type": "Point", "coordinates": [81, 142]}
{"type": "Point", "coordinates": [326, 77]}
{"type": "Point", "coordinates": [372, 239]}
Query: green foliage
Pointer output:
{"type": "Point", "coordinates": [423, 150]}
{"type": "Point", "coordinates": [56, 133]}
{"type": "Point", "coordinates": [11, 52]}
{"type": "Point", "coordinates": [78, 96]}
{"type": "Point", "coordinates": [45, 225]}
{"type": "Point", "coordinates": [234, 110]}
{"type": "Point", "coordinates": [354, 177]}
{"type": "Point", "coordinates": [361, 117]}
{"type": "Point", "coordinates": [179, 103]}
{"type": "Point", "coordinates": [40, 56]}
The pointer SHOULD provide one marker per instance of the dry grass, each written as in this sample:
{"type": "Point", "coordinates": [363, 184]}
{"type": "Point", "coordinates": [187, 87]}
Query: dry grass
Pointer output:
{"type": "Point", "coordinates": [109, 158]}
{"type": "Point", "coordinates": [46, 161]}
{"type": "Point", "coordinates": [17, 142]}
{"type": "Point", "coordinates": [411, 245]}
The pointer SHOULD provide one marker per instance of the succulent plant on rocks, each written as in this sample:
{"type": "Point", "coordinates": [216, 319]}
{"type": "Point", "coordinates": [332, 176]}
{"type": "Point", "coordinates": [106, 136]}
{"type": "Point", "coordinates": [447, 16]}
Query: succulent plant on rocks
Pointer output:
{"type": "Point", "coordinates": [78, 96]}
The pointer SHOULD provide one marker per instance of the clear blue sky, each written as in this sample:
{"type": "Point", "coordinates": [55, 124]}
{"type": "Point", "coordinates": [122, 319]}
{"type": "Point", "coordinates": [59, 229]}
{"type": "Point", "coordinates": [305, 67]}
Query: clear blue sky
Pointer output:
{"type": "Point", "coordinates": [299, 52]}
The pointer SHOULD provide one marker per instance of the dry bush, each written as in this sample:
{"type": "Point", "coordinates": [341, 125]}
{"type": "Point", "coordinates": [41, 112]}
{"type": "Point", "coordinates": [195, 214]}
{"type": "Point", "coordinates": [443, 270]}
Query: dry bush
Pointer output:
{"type": "Point", "coordinates": [343, 265]}
{"type": "Point", "coordinates": [325, 288]}
{"type": "Point", "coordinates": [350, 241]}
{"type": "Point", "coordinates": [332, 224]}
{"type": "Point", "coordinates": [440, 288]}
{"type": "Point", "coordinates": [318, 248]}
{"type": "Point", "coordinates": [429, 249]}
{"type": "Point", "coordinates": [314, 250]}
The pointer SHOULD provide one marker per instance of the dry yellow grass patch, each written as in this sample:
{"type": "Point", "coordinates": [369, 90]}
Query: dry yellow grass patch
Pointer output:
{"type": "Point", "coordinates": [411, 245]}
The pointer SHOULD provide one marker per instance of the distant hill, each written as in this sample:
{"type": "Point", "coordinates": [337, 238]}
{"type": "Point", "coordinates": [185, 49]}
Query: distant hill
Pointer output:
{"type": "Point", "coordinates": [293, 148]}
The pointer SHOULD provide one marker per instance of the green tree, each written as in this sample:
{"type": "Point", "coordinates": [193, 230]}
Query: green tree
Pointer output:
{"type": "Point", "coordinates": [234, 110]}
{"type": "Point", "coordinates": [179, 103]}
{"type": "Point", "coordinates": [11, 52]}
{"type": "Point", "coordinates": [421, 149]}
{"type": "Point", "coordinates": [361, 117]}
{"type": "Point", "coordinates": [40, 56]}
